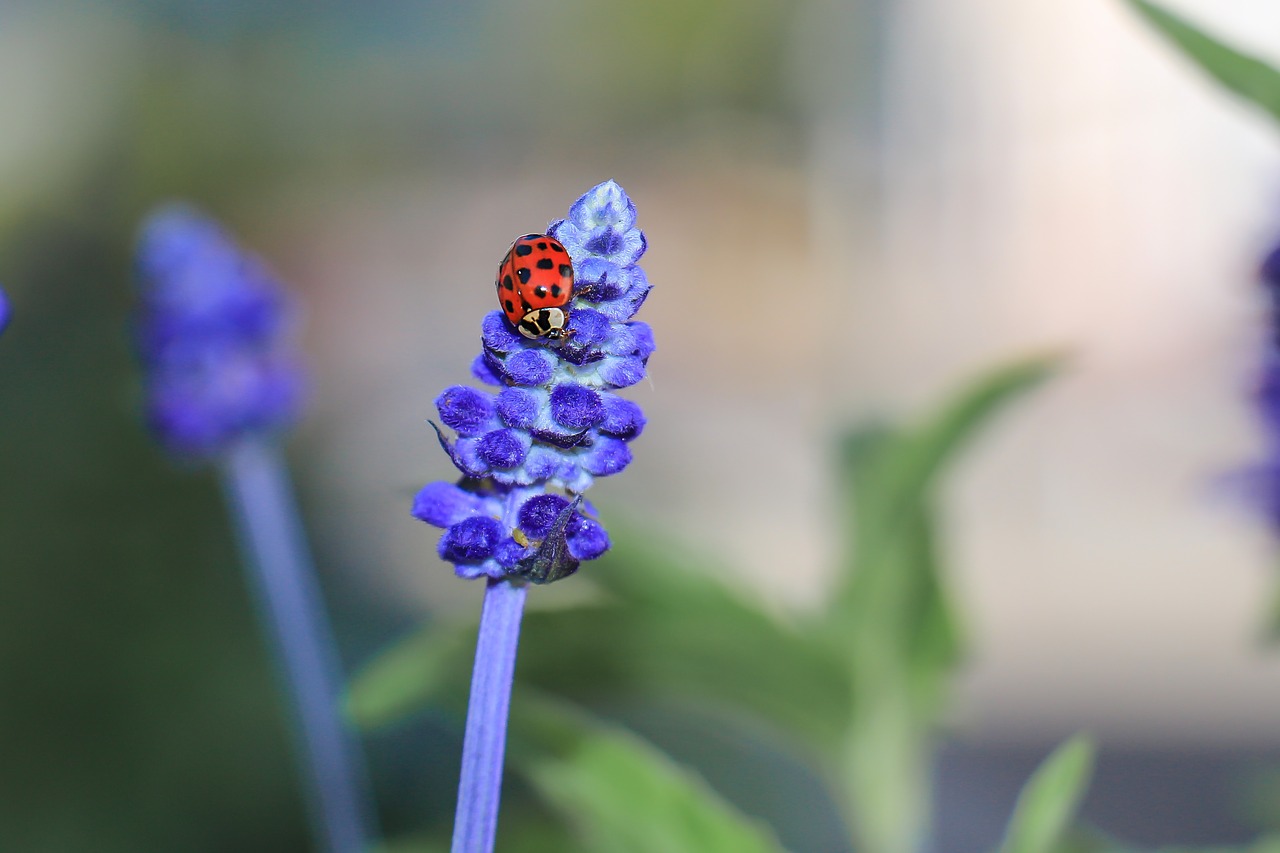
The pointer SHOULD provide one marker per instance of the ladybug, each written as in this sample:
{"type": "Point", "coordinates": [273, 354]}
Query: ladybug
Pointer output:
{"type": "Point", "coordinates": [535, 283]}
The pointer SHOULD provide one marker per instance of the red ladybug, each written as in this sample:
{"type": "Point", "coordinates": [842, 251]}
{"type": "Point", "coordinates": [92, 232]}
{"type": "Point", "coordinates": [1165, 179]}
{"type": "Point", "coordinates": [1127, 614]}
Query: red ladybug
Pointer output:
{"type": "Point", "coordinates": [535, 283]}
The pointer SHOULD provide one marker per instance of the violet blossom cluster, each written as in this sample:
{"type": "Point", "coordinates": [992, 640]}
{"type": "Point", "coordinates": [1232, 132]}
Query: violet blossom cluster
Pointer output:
{"type": "Point", "coordinates": [528, 451]}
{"type": "Point", "coordinates": [212, 335]}
{"type": "Point", "coordinates": [1267, 394]}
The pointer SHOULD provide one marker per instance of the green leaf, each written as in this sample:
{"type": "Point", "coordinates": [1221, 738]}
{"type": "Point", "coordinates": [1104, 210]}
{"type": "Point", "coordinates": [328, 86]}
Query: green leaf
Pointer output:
{"type": "Point", "coordinates": [667, 628]}
{"type": "Point", "coordinates": [1087, 839]}
{"type": "Point", "coordinates": [891, 617]}
{"type": "Point", "coordinates": [891, 604]}
{"type": "Point", "coordinates": [620, 794]}
{"type": "Point", "coordinates": [1247, 76]}
{"type": "Point", "coordinates": [432, 665]}
{"type": "Point", "coordinates": [899, 677]}
{"type": "Point", "coordinates": [890, 470]}
{"type": "Point", "coordinates": [1266, 844]}
{"type": "Point", "coordinates": [1049, 800]}
{"type": "Point", "coordinates": [613, 789]}
{"type": "Point", "coordinates": [672, 629]}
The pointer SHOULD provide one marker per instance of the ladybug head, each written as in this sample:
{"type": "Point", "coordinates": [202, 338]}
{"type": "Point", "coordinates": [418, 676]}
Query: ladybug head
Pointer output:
{"type": "Point", "coordinates": [545, 324]}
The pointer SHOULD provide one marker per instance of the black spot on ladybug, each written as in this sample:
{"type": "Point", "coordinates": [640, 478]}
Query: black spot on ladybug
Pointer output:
{"type": "Point", "coordinates": [508, 306]}
{"type": "Point", "coordinates": [506, 282]}
{"type": "Point", "coordinates": [529, 238]}
{"type": "Point", "coordinates": [555, 290]}
{"type": "Point", "coordinates": [566, 270]}
{"type": "Point", "coordinates": [542, 245]}
{"type": "Point", "coordinates": [524, 249]}
{"type": "Point", "coordinates": [556, 247]}
{"type": "Point", "coordinates": [546, 264]}
{"type": "Point", "coordinates": [539, 291]}
{"type": "Point", "coordinates": [523, 275]}
{"type": "Point", "coordinates": [526, 306]}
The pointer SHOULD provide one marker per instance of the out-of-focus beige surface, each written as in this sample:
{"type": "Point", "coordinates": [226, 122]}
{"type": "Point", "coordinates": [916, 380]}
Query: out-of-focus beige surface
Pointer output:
{"type": "Point", "coordinates": [1078, 185]}
{"type": "Point", "coordinates": [1052, 177]}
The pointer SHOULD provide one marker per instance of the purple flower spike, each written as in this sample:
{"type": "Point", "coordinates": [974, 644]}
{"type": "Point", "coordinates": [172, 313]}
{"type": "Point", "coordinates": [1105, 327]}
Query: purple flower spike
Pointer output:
{"type": "Point", "coordinates": [221, 377]}
{"type": "Point", "coordinates": [1260, 483]}
{"type": "Point", "coordinates": [444, 504]}
{"type": "Point", "coordinates": [527, 453]}
{"type": "Point", "coordinates": [6, 311]}
{"type": "Point", "coordinates": [555, 425]}
{"type": "Point", "coordinates": [211, 332]}
{"type": "Point", "coordinates": [1269, 273]}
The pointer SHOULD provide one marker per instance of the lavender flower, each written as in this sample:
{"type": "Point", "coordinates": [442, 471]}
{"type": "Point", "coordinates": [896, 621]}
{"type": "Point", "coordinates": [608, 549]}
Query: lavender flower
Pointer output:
{"type": "Point", "coordinates": [6, 311]}
{"type": "Point", "coordinates": [1263, 480]}
{"type": "Point", "coordinates": [220, 379]}
{"type": "Point", "coordinates": [529, 451]}
{"type": "Point", "coordinates": [211, 334]}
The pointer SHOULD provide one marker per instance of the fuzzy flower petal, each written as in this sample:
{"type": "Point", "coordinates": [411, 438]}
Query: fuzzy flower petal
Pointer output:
{"type": "Point", "coordinates": [465, 410]}
{"type": "Point", "coordinates": [471, 540]}
{"type": "Point", "coordinates": [539, 513]}
{"type": "Point", "coordinates": [444, 504]}
{"type": "Point", "coordinates": [588, 540]}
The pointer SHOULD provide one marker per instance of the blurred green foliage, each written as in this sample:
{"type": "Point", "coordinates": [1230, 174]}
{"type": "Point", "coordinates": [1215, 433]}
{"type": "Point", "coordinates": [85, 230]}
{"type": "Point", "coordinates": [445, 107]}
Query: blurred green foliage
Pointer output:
{"type": "Point", "coordinates": [1247, 76]}
{"type": "Point", "coordinates": [137, 708]}
{"type": "Point", "coordinates": [1048, 803]}
{"type": "Point", "coordinates": [618, 793]}
{"type": "Point", "coordinates": [853, 690]}
{"type": "Point", "coordinates": [890, 614]}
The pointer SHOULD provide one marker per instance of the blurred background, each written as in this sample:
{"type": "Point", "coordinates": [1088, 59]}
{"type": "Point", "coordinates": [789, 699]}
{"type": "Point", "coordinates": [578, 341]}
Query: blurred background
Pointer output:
{"type": "Point", "coordinates": [851, 206]}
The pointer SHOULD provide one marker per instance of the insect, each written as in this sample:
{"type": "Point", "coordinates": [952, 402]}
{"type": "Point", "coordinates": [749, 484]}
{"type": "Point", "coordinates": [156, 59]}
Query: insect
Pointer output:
{"type": "Point", "coordinates": [535, 283]}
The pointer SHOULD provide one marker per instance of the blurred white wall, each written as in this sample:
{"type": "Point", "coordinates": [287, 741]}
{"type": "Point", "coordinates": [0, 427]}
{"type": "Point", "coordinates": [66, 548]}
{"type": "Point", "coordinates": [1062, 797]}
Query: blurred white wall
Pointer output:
{"type": "Point", "coordinates": [1054, 176]}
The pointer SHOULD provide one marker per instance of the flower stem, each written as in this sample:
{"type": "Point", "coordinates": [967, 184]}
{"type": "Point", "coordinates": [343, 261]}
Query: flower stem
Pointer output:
{"type": "Point", "coordinates": [485, 741]}
{"type": "Point", "coordinates": [256, 484]}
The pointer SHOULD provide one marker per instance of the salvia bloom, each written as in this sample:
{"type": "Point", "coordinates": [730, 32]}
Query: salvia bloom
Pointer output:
{"type": "Point", "coordinates": [211, 333]}
{"type": "Point", "coordinates": [527, 452]}
{"type": "Point", "coordinates": [1264, 479]}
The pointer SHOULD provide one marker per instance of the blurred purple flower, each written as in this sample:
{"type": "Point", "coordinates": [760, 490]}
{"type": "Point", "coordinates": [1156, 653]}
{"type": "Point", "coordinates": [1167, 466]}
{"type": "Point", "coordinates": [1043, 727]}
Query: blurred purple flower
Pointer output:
{"type": "Point", "coordinates": [556, 424]}
{"type": "Point", "coordinates": [211, 333]}
{"type": "Point", "coordinates": [1259, 483]}
{"type": "Point", "coordinates": [221, 376]}
{"type": "Point", "coordinates": [6, 311]}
